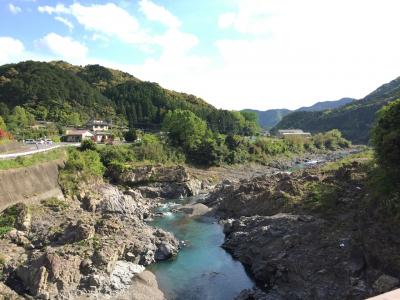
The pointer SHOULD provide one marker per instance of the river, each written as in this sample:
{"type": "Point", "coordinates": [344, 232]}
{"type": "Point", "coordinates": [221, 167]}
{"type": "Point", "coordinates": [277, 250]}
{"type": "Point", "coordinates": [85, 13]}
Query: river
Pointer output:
{"type": "Point", "coordinates": [202, 269]}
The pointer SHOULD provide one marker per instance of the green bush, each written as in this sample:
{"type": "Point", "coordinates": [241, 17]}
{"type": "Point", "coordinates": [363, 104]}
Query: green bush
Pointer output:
{"type": "Point", "coordinates": [88, 145]}
{"type": "Point", "coordinates": [386, 138]}
{"type": "Point", "coordinates": [80, 167]}
{"type": "Point", "coordinates": [55, 204]}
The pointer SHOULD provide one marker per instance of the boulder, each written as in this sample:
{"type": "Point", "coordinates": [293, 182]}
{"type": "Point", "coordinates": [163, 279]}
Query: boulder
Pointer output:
{"type": "Point", "coordinates": [123, 273]}
{"type": "Point", "coordinates": [50, 274]}
{"type": "Point", "coordinates": [147, 174]}
{"type": "Point", "coordinates": [106, 256]}
{"type": "Point", "coordinates": [385, 283]}
{"type": "Point", "coordinates": [115, 201]}
{"type": "Point", "coordinates": [8, 294]}
{"type": "Point", "coordinates": [194, 210]}
{"type": "Point", "coordinates": [77, 232]}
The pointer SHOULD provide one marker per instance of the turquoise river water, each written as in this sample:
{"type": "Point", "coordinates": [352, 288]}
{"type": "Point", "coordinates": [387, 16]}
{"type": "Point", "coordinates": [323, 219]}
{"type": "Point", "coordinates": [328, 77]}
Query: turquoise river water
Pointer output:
{"type": "Point", "coordinates": [202, 270]}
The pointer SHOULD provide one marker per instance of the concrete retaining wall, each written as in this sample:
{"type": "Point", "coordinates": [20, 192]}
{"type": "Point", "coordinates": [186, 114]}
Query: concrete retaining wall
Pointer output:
{"type": "Point", "coordinates": [30, 184]}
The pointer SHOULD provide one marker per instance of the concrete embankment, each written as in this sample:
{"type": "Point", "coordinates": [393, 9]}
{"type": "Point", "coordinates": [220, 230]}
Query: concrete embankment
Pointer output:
{"type": "Point", "coordinates": [30, 184]}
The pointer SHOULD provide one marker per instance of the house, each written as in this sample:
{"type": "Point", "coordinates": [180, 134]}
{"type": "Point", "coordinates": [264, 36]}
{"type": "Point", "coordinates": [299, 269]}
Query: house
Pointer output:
{"type": "Point", "coordinates": [98, 125]}
{"type": "Point", "coordinates": [77, 135]}
{"type": "Point", "coordinates": [285, 133]}
{"type": "Point", "coordinates": [102, 136]}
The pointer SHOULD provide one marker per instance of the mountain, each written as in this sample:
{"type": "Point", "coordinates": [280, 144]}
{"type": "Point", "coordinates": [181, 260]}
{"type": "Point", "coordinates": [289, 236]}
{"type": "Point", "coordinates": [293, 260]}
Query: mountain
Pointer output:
{"type": "Point", "coordinates": [354, 120]}
{"type": "Point", "coordinates": [269, 118]}
{"type": "Point", "coordinates": [72, 95]}
{"type": "Point", "coordinates": [327, 105]}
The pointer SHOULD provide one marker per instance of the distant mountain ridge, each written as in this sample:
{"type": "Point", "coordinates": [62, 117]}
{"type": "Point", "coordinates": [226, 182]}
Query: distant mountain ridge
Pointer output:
{"type": "Point", "coordinates": [354, 120]}
{"type": "Point", "coordinates": [323, 105]}
{"type": "Point", "coordinates": [269, 118]}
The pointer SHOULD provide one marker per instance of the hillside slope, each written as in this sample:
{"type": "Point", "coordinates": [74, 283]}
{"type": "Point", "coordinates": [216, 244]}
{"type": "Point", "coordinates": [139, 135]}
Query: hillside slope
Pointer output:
{"type": "Point", "coordinates": [323, 105]}
{"type": "Point", "coordinates": [72, 95]}
{"type": "Point", "coordinates": [354, 120]}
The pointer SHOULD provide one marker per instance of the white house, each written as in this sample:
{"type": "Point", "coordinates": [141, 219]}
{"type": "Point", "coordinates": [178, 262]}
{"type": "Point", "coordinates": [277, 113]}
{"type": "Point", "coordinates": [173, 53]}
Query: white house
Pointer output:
{"type": "Point", "coordinates": [77, 135]}
{"type": "Point", "coordinates": [98, 125]}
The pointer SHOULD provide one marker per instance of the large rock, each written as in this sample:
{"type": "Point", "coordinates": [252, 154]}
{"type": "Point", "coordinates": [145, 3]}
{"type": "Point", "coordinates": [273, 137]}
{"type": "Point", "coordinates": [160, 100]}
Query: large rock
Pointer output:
{"type": "Point", "coordinates": [78, 232]}
{"type": "Point", "coordinates": [144, 286]}
{"type": "Point", "coordinates": [297, 256]}
{"type": "Point", "coordinates": [116, 202]}
{"type": "Point", "coordinates": [8, 294]}
{"type": "Point", "coordinates": [50, 275]}
{"type": "Point", "coordinates": [147, 174]}
{"type": "Point", "coordinates": [385, 283]}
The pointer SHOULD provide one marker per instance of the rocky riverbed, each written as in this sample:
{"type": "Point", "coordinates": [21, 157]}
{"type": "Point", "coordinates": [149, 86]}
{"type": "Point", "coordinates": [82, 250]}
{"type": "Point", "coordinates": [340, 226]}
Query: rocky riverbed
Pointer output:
{"type": "Point", "coordinates": [98, 243]}
{"type": "Point", "coordinates": [308, 235]}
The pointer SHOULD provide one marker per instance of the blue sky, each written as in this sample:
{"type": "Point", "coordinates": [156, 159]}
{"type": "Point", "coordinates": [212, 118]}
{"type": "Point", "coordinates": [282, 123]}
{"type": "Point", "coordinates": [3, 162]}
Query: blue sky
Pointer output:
{"type": "Point", "coordinates": [233, 53]}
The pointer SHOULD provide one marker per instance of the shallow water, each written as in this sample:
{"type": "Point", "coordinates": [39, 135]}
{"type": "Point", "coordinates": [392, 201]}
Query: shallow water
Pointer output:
{"type": "Point", "coordinates": [202, 269]}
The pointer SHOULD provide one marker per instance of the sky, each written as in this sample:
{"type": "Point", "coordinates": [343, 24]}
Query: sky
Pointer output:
{"type": "Point", "coordinates": [235, 54]}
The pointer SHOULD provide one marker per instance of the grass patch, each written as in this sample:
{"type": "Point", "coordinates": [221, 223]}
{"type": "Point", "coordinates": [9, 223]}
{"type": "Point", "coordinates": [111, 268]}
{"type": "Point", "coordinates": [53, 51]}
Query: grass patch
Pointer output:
{"type": "Point", "coordinates": [321, 197]}
{"type": "Point", "coordinates": [30, 160]}
{"type": "Point", "coordinates": [55, 204]}
{"type": "Point", "coordinates": [8, 219]}
{"type": "Point", "coordinates": [364, 156]}
{"type": "Point", "coordinates": [4, 230]}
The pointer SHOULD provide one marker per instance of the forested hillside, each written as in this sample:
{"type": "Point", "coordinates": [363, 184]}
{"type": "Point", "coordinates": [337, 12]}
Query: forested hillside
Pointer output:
{"type": "Point", "coordinates": [354, 120]}
{"type": "Point", "coordinates": [71, 95]}
{"type": "Point", "coordinates": [323, 105]}
{"type": "Point", "coordinates": [269, 118]}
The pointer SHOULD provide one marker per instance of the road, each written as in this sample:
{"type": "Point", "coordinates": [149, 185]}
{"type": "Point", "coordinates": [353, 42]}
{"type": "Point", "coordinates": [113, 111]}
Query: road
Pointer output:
{"type": "Point", "coordinates": [36, 149]}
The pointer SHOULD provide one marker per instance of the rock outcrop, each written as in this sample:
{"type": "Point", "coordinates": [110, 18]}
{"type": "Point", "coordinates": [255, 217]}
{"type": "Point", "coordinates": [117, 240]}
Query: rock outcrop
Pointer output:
{"type": "Point", "coordinates": [158, 181]}
{"type": "Point", "coordinates": [93, 244]}
{"type": "Point", "coordinates": [308, 235]}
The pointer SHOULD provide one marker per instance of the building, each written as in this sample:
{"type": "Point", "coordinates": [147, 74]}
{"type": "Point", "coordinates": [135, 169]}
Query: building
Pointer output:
{"type": "Point", "coordinates": [102, 136]}
{"type": "Point", "coordinates": [98, 125]}
{"type": "Point", "coordinates": [77, 136]}
{"type": "Point", "coordinates": [292, 132]}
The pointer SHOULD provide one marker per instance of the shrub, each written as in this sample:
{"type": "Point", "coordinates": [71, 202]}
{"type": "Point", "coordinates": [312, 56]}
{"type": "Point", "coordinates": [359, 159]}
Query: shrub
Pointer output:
{"type": "Point", "coordinates": [80, 166]}
{"type": "Point", "coordinates": [55, 204]}
{"type": "Point", "coordinates": [131, 135]}
{"type": "Point", "coordinates": [87, 145]}
{"type": "Point", "coordinates": [386, 138]}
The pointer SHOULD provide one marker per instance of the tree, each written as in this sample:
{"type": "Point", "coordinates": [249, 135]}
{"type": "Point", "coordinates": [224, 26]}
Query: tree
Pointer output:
{"type": "Point", "coordinates": [184, 128]}
{"type": "Point", "coordinates": [386, 138]}
{"type": "Point", "coordinates": [20, 118]}
{"type": "Point", "coordinates": [131, 135]}
{"type": "Point", "coordinates": [2, 124]}
{"type": "Point", "coordinates": [88, 145]}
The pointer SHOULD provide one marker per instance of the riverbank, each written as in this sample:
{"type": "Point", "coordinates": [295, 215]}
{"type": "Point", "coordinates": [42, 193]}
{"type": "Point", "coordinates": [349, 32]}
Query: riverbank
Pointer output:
{"type": "Point", "coordinates": [94, 242]}
{"type": "Point", "coordinates": [312, 234]}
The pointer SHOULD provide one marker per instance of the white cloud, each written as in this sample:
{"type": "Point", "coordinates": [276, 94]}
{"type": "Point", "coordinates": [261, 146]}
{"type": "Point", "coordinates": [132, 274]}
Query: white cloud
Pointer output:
{"type": "Point", "coordinates": [295, 52]}
{"type": "Point", "coordinates": [65, 22]}
{"type": "Point", "coordinates": [59, 8]}
{"type": "Point", "coordinates": [111, 21]}
{"type": "Point", "coordinates": [108, 19]}
{"type": "Point", "coordinates": [154, 12]}
{"type": "Point", "coordinates": [63, 47]}
{"type": "Point", "coordinates": [10, 49]}
{"type": "Point", "coordinates": [14, 9]}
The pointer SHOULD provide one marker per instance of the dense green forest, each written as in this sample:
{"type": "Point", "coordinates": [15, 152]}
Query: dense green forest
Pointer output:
{"type": "Point", "coordinates": [354, 120]}
{"type": "Point", "coordinates": [72, 95]}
